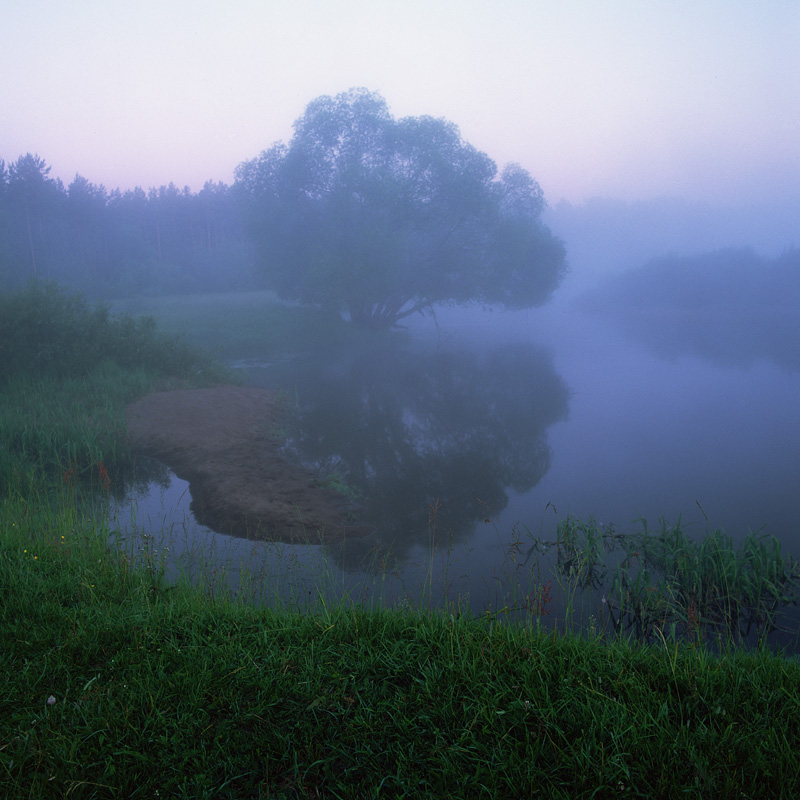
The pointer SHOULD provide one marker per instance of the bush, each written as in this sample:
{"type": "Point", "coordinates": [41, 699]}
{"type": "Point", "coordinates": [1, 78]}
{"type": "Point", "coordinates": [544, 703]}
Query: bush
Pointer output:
{"type": "Point", "coordinates": [47, 333]}
{"type": "Point", "coordinates": [67, 371]}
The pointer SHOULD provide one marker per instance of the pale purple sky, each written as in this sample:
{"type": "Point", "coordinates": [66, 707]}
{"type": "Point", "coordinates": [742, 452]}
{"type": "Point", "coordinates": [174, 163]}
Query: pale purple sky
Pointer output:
{"type": "Point", "coordinates": [633, 99]}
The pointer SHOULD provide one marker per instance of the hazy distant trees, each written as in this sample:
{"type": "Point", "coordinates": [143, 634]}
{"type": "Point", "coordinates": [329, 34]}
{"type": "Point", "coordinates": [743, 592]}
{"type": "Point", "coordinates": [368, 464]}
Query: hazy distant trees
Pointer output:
{"type": "Point", "coordinates": [31, 202]}
{"type": "Point", "coordinates": [608, 235]}
{"type": "Point", "coordinates": [382, 217]}
{"type": "Point", "coordinates": [106, 243]}
{"type": "Point", "coordinates": [734, 282]}
{"type": "Point", "coordinates": [730, 306]}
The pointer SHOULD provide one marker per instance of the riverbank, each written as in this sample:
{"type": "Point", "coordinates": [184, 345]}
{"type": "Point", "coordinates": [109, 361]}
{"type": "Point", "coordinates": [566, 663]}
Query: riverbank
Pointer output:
{"type": "Point", "coordinates": [117, 685]}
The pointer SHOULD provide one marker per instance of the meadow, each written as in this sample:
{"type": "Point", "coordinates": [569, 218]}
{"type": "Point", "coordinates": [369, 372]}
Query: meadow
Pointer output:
{"type": "Point", "coordinates": [120, 683]}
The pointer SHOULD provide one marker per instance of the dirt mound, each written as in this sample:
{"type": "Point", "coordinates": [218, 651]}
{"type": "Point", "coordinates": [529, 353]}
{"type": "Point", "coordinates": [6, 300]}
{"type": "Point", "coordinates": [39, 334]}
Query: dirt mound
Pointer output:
{"type": "Point", "coordinates": [222, 441]}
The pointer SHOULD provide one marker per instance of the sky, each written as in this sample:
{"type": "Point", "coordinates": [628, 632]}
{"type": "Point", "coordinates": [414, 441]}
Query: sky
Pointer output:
{"type": "Point", "coordinates": [630, 99]}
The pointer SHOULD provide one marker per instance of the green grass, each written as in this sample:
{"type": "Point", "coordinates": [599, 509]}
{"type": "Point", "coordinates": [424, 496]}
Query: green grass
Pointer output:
{"type": "Point", "coordinates": [67, 372]}
{"type": "Point", "coordinates": [159, 691]}
{"type": "Point", "coordinates": [249, 324]}
{"type": "Point", "coordinates": [117, 683]}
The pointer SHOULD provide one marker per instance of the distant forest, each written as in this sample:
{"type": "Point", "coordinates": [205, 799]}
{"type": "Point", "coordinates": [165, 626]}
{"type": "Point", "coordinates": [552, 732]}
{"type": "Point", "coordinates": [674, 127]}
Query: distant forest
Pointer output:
{"type": "Point", "coordinates": [730, 306]}
{"type": "Point", "coordinates": [107, 244]}
{"type": "Point", "coordinates": [110, 243]}
{"type": "Point", "coordinates": [724, 282]}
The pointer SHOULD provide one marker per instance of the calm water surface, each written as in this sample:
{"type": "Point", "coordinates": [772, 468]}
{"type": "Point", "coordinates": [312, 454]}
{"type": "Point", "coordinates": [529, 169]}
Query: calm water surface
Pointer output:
{"type": "Point", "coordinates": [482, 428]}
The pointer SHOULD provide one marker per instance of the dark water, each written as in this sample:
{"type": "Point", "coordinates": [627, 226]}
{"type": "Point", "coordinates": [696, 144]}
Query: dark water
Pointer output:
{"type": "Point", "coordinates": [475, 431]}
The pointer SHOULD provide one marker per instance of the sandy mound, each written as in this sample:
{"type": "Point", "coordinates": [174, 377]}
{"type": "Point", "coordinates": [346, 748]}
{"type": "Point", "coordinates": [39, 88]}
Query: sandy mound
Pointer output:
{"type": "Point", "coordinates": [222, 442]}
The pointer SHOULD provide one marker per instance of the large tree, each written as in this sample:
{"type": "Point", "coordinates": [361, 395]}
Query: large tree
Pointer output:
{"type": "Point", "coordinates": [382, 217]}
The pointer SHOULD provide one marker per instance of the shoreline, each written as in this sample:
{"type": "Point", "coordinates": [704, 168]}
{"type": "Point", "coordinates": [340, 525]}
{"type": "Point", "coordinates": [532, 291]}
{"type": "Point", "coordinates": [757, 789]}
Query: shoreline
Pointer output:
{"type": "Point", "coordinates": [222, 441]}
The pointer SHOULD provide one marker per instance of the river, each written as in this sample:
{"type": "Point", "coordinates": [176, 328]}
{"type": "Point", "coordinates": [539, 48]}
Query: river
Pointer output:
{"type": "Point", "coordinates": [480, 429]}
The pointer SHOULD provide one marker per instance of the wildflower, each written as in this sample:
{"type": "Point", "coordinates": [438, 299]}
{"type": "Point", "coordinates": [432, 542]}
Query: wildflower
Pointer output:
{"type": "Point", "coordinates": [51, 700]}
{"type": "Point", "coordinates": [104, 479]}
{"type": "Point", "coordinates": [69, 477]}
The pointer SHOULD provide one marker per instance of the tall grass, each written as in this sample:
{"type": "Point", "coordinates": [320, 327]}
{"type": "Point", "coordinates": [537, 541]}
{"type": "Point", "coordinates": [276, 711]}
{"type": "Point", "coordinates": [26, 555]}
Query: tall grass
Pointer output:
{"type": "Point", "coordinates": [67, 371]}
{"type": "Point", "coordinates": [119, 685]}
{"type": "Point", "coordinates": [666, 583]}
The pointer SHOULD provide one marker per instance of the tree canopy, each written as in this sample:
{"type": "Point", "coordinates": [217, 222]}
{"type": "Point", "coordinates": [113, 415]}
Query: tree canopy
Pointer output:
{"type": "Point", "coordinates": [381, 217]}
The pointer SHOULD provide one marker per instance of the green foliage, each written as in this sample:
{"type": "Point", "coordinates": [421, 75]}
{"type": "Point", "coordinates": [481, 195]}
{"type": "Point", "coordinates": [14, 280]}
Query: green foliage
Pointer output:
{"type": "Point", "coordinates": [667, 583]}
{"type": "Point", "coordinates": [384, 217]}
{"type": "Point", "coordinates": [117, 684]}
{"type": "Point", "coordinates": [67, 371]}
{"type": "Point", "coordinates": [45, 332]}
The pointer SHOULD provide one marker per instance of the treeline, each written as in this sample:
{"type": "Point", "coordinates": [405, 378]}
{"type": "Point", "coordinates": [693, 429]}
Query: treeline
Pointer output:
{"type": "Point", "coordinates": [727, 281]}
{"type": "Point", "coordinates": [107, 243]}
{"type": "Point", "coordinates": [729, 306]}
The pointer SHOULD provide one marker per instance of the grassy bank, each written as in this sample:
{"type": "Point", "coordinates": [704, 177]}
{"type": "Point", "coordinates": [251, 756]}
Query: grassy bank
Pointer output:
{"type": "Point", "coordinates": [67, 371]}
{"type": "Point", "coordinates": [248, 324]}
{"type": "Point", "coordinates": [117, 684]}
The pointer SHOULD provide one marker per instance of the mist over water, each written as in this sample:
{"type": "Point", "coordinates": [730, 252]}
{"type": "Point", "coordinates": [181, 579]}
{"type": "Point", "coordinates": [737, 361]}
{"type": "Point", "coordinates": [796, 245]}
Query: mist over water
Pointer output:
{"type": "Point", "coordinates": [480, 428]}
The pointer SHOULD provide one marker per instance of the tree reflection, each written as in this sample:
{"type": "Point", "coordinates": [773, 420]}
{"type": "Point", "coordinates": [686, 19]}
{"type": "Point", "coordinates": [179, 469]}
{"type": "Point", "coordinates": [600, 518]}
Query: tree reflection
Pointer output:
{"type": "Point", "coordinates": [411, 433]}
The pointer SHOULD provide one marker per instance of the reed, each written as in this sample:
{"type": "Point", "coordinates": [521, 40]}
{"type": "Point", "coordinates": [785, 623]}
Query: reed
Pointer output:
{"type": "Point", "coordinates": [664, 582]}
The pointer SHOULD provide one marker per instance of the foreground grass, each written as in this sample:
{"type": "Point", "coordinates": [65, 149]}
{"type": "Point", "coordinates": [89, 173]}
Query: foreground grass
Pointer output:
{"type": "Point", "coordinates": [115, 685]}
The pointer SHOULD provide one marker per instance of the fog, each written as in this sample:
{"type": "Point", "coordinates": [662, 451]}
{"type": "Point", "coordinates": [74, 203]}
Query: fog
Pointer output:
{"type": "Point", "coordinates": [653, 369]}
{"type": "Point", "coordinates": [607, 236]}
{"type": "Point", "coordinates": [662, 388]}
{"type": "Point", "coordinates": [660, 380]}
{"type": "Point", "coordinates": [506, 423]}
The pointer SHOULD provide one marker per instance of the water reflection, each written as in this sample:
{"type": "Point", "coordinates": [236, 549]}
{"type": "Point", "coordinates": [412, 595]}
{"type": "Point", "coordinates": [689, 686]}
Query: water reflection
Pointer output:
{"type": "Point", "coordinates": [159, 531]}
{"type": "Point", "coordinates": [445, 414]}
{"type": "Point", "coordinates": [732, 339]}
{"type": "Point", "coordinates": [730, 307]}
{"type": "Point", "coordinates": [430, 441]}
